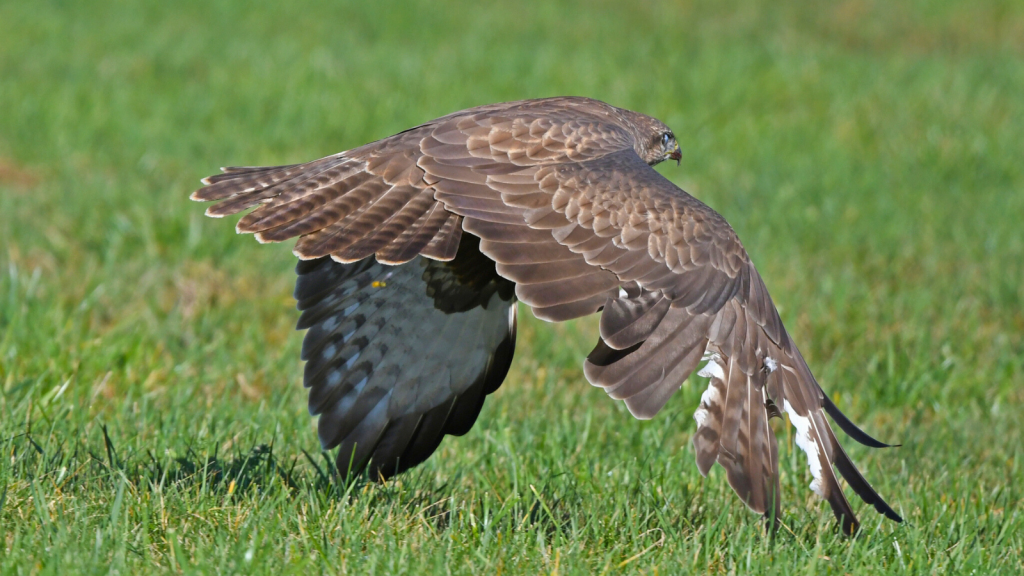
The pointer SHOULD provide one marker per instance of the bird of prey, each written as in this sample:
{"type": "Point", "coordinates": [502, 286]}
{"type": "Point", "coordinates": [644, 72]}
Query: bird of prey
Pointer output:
{"type": "Point", "coordinates": [415, 249]}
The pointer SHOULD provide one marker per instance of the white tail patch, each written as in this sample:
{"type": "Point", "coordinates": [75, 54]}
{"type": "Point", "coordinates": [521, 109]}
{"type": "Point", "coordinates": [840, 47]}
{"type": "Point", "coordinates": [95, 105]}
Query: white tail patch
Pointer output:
{"type": "Point", "coordinates": [771, 364]}
{"type": "Point", "coordinates": [712, 395]}
{"type": "Point", "coordinates": [806, 442]}
{"type": "Point", "coordinates": [709, 397]}
{"type": "Point", "coordinates": [712, 369]}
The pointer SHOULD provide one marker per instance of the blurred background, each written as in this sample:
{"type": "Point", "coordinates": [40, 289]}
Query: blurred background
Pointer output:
{"type": "Point", "coordinates": [869, 155]}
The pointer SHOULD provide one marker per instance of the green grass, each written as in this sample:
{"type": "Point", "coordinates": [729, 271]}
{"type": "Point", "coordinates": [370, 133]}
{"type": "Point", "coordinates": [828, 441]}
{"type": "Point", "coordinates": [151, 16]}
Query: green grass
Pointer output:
{"type": "Point", "coordinates": [152, 415]}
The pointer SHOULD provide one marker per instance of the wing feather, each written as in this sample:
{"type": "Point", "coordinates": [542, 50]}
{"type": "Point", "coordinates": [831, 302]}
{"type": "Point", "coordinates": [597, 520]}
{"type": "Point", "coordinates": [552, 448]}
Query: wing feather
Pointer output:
{"type": "Point", "coordinates": [565, 207]}
{"type": "Point", "coordinates": [397, 357]}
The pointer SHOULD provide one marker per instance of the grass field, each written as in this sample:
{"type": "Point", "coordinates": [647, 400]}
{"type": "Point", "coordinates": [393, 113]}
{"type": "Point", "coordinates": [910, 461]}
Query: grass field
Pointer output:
{"type": "Point", "coordinates": [152, 417]}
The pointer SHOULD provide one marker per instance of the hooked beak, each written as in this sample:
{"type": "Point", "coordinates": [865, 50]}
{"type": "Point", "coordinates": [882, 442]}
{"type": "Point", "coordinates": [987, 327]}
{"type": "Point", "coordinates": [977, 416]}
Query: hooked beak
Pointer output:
{"type": "Point", "coordinates": [676, 155]}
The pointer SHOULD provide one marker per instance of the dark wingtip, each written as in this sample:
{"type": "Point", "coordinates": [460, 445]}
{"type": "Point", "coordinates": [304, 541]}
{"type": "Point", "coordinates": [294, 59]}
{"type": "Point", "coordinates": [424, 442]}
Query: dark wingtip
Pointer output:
{"type": "Point", "coordinates": [857, 481]}
{"type": "Point", "coordinates": [851, 429]}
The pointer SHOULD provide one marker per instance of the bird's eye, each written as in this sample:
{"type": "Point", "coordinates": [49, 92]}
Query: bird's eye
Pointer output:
{"type": "Point", "coordinates": [666, 138]}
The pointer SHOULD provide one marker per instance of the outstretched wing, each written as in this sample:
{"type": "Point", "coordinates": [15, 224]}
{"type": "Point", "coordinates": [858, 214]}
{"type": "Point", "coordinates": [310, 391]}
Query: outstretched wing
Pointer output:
{"type": "Point", "coordinates": [568, 211]}
{"type": "Point", "coordinates": [399, 356]}
{"type": "Point", "coordinates": [378, 199]}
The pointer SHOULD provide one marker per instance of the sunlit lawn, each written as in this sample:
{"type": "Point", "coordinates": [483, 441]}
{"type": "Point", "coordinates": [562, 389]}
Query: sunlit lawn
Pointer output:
{"type": "Point", "coordinates": [152, 418]}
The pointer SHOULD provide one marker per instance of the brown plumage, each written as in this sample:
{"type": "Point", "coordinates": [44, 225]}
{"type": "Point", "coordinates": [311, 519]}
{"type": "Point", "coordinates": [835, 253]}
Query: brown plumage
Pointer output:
{"type": "Point", "coordinates": [416, 247]}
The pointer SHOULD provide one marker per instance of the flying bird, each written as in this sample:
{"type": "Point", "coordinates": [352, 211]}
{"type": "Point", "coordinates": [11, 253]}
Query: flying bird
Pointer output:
{"type": "Point", "coordinates": [415, 249]}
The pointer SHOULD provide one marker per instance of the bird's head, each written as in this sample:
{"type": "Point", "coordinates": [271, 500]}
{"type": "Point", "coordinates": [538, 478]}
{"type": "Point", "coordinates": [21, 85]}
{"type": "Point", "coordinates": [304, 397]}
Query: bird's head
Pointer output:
{"type": "Point", "coordinates": [665, 148]}
{"type": "Point", "coordinates": [653, 140]}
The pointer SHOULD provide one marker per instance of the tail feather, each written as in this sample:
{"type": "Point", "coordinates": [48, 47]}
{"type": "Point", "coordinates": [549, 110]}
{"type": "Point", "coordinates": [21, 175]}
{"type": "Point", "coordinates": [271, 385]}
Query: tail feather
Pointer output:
{"type": "Point", "coordinates": [733, 430]}
{"type": "Point", "coordinates": [706, 441]}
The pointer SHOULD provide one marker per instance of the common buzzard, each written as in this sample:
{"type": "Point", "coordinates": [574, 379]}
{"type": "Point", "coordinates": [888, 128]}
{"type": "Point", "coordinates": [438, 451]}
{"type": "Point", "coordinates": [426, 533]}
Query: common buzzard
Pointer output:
{"type": "Point", "coordinates": [415, 249]}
